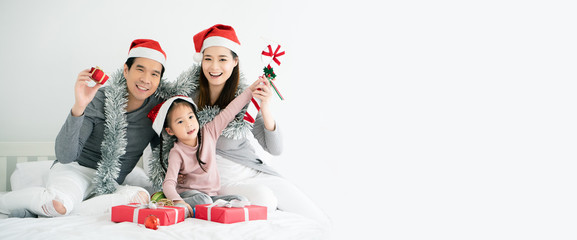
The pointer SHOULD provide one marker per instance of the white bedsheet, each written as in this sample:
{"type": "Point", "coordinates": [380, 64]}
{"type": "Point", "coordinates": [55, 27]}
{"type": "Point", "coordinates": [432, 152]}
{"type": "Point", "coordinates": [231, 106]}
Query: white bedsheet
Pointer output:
{"type": "Point", "coordinates": [280, 225]}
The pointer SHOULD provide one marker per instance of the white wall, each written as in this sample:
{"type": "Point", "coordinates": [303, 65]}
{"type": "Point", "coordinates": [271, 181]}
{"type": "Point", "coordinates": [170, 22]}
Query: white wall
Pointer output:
{"type": "Point", "coordinates": [435, 119]}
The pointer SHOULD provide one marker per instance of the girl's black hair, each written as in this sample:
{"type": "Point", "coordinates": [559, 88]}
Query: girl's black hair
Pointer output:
{"type": "Point", "coordinates": [199, 135]}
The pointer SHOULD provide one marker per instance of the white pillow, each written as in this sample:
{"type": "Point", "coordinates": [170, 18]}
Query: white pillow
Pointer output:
{"type": "Point", "coordinates": [34, 174]}
{"type": "Point", "coordinates": [30, 174]}
{"type": "Point", "coordinates": [137, 178]}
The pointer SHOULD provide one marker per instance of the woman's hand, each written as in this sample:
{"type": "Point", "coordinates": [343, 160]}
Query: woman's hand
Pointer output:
{"type": "Point", "coordinates": [262, 90]}
{"type": "Point", "coordinates": [83, 93]}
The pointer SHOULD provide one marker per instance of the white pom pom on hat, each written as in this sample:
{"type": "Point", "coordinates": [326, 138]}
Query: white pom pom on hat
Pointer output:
{"type": "Point", "coordinates": [217, 35]}
{"type": "Point", "coordinates": [197, 57]}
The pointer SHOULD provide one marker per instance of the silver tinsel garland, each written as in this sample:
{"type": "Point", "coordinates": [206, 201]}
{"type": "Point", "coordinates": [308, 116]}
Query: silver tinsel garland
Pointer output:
{"type": "Point", "coordinates": [114, 143]}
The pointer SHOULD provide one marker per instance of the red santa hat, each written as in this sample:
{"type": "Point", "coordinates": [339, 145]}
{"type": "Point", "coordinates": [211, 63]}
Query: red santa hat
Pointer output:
{"type": "Point", "coordinates": [159, 112]}
{"type": "Point", "coordinates": [147, 48]}
{"type": "Point", "coordinates": [217, 35]}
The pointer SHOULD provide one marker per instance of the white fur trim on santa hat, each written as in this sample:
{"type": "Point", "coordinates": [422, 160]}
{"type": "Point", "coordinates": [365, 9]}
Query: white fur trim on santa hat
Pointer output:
{"type": "Point", "coordinates": [216, 41]}
{"type": "Point", "coordinates": [147, 53]}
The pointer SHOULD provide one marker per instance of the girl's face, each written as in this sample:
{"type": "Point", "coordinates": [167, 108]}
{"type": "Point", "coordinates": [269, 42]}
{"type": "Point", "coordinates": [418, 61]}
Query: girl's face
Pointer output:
{"type": "Point", "coordinates": [183, 124]}
{"type": "Point", "coordinates": [217, 65]}
{"type": "Point", "coordinates": [143, 78]}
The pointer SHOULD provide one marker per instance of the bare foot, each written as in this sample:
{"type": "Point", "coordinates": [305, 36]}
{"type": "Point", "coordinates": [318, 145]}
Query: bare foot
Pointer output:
{"type": "Point", "coordinates": [59, 207]}
{"type": "Point", "coordinates": [141, 197]}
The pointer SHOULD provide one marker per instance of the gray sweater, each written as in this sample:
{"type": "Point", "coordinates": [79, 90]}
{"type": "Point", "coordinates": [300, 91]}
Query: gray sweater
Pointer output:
{"type": "Point", "coordinates": [80, 138]}
{"type": "Point", "coordinates": [241, 151]}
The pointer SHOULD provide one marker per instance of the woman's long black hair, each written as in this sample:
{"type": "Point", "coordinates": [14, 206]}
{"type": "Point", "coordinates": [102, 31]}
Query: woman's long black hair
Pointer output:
{"type": "Point", "coordinates": [199, 135]}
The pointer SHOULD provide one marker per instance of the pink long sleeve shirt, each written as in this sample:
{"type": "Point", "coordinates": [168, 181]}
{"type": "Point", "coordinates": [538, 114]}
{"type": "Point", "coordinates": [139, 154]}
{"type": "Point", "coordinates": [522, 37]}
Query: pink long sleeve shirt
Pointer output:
{"type": "Point", "coordinates": [182, 158]}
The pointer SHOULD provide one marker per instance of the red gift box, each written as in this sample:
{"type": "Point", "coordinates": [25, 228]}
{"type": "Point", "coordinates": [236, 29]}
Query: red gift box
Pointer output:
{"type": "Point", "coordinates": [230, 214]}
{"type": "Point", "coordinates": [167, 215]}
{"type": "Point", "coordinates": [98, 75]}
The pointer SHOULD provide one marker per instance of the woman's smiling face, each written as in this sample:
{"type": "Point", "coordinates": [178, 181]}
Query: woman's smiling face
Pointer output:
{"type": "Point", "coordinates": [218, 64]}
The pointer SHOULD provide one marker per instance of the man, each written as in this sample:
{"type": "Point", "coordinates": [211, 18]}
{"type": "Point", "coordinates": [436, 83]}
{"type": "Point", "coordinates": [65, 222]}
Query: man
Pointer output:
{"type": "Point", "coordinates": [101, 141]}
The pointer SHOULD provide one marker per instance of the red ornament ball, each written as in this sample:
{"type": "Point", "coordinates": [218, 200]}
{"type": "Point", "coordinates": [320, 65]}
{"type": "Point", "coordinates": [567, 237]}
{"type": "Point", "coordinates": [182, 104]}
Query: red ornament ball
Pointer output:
{"type": "Point", "coordinates": [151, 222]}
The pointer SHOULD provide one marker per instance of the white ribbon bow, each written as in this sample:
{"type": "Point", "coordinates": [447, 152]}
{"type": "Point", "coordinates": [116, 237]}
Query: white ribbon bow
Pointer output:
{"type": "Point", "coordinates": [151, 205]}
{"type": "Point", "coordinates": [229, 204]}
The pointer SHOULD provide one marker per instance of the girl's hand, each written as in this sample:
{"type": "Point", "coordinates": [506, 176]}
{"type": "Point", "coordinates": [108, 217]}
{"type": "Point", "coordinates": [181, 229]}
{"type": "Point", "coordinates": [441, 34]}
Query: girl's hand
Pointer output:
{"type": "Point", "coordinates": [261, 89]}
{"type": "Point", "coordinates": [187, 206]}
{"type": "Point", "coordinates": [256, 84]}
{"type": "Point", "coordinates": [83, 93]}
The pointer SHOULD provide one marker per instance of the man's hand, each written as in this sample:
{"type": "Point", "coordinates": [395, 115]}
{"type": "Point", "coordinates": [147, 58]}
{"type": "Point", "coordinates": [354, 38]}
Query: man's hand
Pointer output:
{"type": "Point", "coordinates": [83, 93]}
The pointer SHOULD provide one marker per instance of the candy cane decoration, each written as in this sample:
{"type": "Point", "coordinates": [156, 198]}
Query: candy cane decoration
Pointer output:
{"type": "Point", "coordinates": [268, 57]}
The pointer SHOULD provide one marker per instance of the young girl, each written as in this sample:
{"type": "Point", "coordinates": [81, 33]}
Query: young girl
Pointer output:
{"type": "Point", "coordinates": [194, 152]}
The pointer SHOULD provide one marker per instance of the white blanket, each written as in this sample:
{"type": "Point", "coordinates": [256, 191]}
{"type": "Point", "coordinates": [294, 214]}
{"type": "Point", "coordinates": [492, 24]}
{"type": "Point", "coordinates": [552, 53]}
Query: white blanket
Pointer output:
{"type": "Point", "coordinates": [280, 225]}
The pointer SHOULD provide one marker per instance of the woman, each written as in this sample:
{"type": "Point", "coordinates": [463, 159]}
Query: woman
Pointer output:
{"type": "Point", "coordinates": [213, 85]}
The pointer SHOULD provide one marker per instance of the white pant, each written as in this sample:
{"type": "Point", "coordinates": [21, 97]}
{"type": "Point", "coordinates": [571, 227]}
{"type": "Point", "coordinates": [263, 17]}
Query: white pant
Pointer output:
{"type": "Point", "coordinates": [266, 190]}
{"type": "Point", "coordinates": [69, 184]}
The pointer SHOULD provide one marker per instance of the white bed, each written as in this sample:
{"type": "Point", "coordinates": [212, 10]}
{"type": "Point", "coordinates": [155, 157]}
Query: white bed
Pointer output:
{"type": "Point", "coordinates": [280, 225]}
